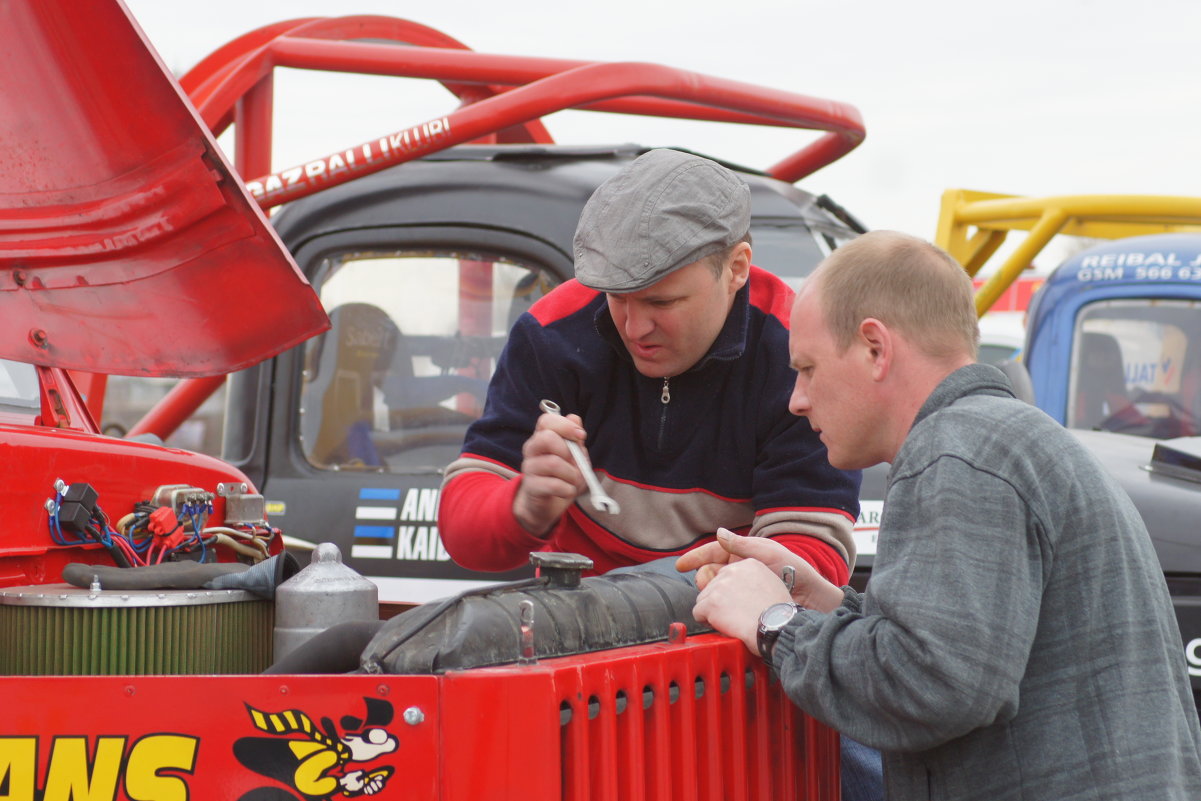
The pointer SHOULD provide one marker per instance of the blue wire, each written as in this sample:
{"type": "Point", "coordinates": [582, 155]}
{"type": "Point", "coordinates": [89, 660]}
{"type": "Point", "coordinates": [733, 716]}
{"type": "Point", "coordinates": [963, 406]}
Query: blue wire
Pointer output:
{"type": "Point", "coordinates": [56, 531]}
{"type": "Point", "coordinates": [100, 521]}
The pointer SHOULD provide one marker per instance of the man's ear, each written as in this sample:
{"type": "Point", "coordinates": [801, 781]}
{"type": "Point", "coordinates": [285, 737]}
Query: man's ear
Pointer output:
{"type": "Point", "coordinates": [878, 344]}
{"type": "Point", "coordinates": [740, 266]}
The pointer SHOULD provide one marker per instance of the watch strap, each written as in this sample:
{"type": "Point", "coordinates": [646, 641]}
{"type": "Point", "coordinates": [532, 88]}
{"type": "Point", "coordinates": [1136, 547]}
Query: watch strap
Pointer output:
{"type": "Point", "coordinates": [767, 644]}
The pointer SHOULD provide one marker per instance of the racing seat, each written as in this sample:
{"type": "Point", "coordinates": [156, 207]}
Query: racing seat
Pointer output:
{"type": "Point", "coordinates": [529, 290]}
{"type": "Point", "coordinates": [1019, 377]}
{"type": "Point", "coordinates": [364, 402]}
{"type": "Point", "coordinates": [1100, 381]}
{"type": "Point", "coordinates": [339, 400]}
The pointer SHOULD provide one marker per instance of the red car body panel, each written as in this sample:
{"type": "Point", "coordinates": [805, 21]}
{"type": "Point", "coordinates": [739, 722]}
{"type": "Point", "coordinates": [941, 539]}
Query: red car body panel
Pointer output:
{"type": "Point", "coordinates": [129, 243]}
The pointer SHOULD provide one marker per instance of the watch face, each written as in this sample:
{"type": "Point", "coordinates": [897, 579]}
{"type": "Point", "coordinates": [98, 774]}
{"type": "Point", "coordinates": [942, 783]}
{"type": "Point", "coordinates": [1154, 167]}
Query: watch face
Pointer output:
{"type": "Point", "coordinates": [778, 615]}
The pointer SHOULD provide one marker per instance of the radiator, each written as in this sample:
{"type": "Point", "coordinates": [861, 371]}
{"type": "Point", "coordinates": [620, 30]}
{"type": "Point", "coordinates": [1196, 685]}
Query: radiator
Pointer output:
{"type": "Point", "coordinates": [700, 719]}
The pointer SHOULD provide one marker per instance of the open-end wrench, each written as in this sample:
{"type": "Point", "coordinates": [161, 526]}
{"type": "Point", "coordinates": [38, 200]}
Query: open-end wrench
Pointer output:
{"type": "Point", "coordinates": [600, 501]}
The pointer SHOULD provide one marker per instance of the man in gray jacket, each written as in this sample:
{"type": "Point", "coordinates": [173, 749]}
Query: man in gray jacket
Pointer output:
{"type": "Point", "coordinates": [1016, 640]}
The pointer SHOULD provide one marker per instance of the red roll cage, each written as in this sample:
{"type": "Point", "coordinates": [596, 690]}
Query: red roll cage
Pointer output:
{"type": "Point", "coordinates": [502, 99]}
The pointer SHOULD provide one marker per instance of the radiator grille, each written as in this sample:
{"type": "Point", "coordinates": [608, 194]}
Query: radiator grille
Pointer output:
{"type": "Point", "coordinates": [52, 632]}
{"type": "Point", "coordinates": [690, 724]}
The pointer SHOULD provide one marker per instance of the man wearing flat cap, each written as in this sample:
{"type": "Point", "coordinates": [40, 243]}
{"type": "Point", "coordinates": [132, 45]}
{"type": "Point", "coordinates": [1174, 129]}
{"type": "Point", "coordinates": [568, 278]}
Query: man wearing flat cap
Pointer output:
{"type": "Point", "coordinates": [668, 356]}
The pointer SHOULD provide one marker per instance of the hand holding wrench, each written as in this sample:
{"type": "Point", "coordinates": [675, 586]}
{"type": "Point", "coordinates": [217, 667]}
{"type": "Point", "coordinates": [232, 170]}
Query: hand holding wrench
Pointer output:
{"type": "Point", "coordinates": [600, 501]}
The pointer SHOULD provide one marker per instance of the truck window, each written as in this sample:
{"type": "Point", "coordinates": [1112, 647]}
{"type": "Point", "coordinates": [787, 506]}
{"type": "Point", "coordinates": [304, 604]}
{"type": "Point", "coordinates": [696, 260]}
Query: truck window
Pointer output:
{"type": "Point", "coordinates": [1136, 368]}
{"type": "Point", "coordinates": [789, 250]}
{"type": "Point", "coordinates": [404, 368]}
{"type": "Point", "coordinates": [128, 398]}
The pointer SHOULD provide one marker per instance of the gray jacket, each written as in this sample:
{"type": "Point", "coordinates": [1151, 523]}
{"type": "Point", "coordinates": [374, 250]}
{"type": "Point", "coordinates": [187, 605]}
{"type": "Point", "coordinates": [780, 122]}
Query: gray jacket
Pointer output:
{"type": "Point", "coordinates": [1016, 640]}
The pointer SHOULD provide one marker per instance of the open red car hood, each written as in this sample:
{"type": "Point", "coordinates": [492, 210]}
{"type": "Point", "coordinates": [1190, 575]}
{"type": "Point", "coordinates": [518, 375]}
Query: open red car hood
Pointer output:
{"type": "Point", "coordinates": [127, 242]}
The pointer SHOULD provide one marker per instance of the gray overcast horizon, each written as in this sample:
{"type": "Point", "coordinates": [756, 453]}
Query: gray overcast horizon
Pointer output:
{"type": "Point", "coordinates": [1025, 97]}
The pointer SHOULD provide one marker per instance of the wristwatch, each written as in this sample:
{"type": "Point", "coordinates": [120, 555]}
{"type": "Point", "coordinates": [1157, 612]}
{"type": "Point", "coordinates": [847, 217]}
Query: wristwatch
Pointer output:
{"type": "Point", "coordinates": [773, 619]}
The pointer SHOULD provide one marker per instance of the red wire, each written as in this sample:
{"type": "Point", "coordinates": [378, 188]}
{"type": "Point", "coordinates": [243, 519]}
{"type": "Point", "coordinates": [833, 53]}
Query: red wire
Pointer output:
{"type": "Point", "coordinates": [130, 553]}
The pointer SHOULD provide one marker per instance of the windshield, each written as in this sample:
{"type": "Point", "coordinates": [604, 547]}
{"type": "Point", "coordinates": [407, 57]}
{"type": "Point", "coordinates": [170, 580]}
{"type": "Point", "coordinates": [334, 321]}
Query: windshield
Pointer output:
{"type": "Point", "coordinates": [1136, 368]}
{"type": "Point", "coordinates": [403, 371]}
{"type": "Point", "coordinates": [791, 251]}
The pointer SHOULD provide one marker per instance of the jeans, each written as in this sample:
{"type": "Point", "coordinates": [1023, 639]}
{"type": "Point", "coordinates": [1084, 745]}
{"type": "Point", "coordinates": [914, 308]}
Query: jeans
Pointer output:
{"type": "Point", "coordinates": [862, 772]}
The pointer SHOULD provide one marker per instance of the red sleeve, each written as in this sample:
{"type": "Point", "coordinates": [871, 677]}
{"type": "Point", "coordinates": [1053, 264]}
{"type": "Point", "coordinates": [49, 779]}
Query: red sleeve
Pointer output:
{"type": "Point", "coordinates": [477, 526]}
{"type": "Point", "coordinates": [822, 555]}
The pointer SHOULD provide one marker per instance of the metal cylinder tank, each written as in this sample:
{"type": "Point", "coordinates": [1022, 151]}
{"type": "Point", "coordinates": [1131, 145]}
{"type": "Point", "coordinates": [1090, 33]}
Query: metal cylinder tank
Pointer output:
{"type": "Point", "coordinates": [322, 594]}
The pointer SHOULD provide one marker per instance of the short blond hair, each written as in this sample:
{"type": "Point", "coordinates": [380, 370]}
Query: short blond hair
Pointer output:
{"type": "Point", "coordinates": [904, 282]}
{"type": "Point", "coordinates": [717, 262]}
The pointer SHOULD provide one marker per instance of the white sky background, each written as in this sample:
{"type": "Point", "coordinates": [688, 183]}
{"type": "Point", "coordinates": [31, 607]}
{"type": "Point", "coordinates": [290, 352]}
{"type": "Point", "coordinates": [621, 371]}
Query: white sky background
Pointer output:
{"type": "Point", "coordinates": [1025, 97]}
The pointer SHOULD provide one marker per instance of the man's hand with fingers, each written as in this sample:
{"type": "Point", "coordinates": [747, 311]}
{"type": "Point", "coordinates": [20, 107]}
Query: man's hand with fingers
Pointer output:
{"type": "Point", "coordinates": [550, 479]}
{"type": "Point", "coordinates": [735, 596]}
{"type": "Point", "coordinates": [809, 588]}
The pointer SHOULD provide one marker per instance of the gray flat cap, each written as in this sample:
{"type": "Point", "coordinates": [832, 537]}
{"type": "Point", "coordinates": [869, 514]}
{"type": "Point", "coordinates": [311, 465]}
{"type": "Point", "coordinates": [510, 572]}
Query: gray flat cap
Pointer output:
{"type": "Point", "coordinates": [665, 210]}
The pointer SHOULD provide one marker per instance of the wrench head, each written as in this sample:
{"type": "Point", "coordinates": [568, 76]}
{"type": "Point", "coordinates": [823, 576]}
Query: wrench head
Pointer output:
{"type": "Point", "coordinates": [605, 504]}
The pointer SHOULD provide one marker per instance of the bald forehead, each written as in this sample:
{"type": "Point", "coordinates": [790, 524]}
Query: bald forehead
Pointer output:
{"type": "Point", "coordinates": [807, 301]}
{"type": "Point", "coordinates": [805, 320]}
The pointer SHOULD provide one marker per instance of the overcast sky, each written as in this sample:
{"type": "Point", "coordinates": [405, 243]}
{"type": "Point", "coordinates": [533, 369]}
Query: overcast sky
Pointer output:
{"type": "Point", "coordinates": [1025, 97]}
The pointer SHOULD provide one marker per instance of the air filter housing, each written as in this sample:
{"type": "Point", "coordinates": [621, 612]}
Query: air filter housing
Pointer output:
{"type": "Point", "coordinates": [58, 629]}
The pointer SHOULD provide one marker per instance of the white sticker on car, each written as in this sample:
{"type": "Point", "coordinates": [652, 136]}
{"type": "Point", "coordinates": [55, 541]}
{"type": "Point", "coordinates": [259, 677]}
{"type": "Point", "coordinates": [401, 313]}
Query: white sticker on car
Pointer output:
{"type": "Point", "coordinates": [867, 527]}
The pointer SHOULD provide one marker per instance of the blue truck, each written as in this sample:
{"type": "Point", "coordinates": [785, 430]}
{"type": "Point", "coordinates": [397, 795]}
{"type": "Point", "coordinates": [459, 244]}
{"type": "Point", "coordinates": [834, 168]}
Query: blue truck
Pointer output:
{"type": "Point", "coordinates": [1121, 323]}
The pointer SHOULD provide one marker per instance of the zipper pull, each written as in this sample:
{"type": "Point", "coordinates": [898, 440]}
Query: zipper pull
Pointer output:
{"type": "Point", "coordinates": [666, 395]}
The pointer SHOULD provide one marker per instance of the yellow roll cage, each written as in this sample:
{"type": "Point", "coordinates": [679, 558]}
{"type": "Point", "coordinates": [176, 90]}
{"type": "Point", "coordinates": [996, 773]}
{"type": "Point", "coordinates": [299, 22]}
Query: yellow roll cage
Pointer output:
{"type": "Point", "coordinates": [972, 226]}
